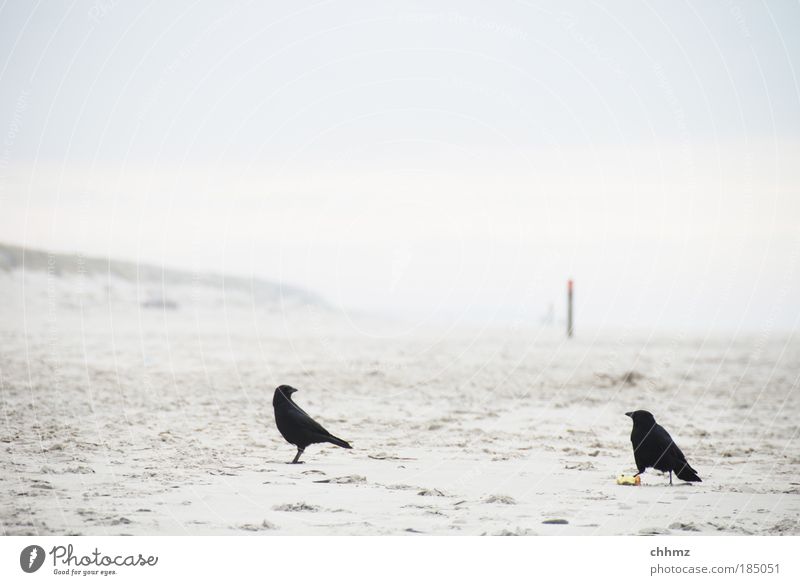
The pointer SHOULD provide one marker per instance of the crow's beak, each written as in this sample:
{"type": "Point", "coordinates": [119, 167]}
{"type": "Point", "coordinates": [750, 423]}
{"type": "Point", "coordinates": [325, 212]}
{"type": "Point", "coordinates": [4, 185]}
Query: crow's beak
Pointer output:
{"type": "Point", "coordinates": [630, 414]}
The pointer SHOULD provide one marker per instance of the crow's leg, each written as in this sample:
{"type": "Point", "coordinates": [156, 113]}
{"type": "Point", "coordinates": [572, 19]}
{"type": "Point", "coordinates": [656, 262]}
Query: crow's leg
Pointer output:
{"type": "Point", "coordinates": [639, 473]}
{"type": "Point", "coordinates": [297, 457]}
{"type": "Point", "coordinates": [670, 477]}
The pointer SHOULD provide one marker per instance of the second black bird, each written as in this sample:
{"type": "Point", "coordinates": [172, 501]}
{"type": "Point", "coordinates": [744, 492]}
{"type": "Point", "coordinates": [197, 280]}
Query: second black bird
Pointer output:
{"type": "Point", "coordinates": [653, 447]}
{"type": "Point", "coordinates": [296, 426]}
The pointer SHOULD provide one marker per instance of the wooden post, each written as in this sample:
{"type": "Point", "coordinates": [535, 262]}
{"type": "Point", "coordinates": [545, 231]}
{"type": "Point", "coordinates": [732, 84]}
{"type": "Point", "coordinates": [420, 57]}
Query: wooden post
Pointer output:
{"type": "Point", "coordinates": [569, 308]}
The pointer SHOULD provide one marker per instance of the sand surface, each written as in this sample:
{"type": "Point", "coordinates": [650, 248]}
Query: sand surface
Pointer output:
{"type": "Point", "coordinates": [121, 420]}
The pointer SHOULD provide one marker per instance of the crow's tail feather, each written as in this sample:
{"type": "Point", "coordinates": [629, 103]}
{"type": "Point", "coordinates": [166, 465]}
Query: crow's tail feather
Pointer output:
{"type": "Point", "coordinates": [686, 473]}
{"type": "Point", "coordinates": [338, 441]}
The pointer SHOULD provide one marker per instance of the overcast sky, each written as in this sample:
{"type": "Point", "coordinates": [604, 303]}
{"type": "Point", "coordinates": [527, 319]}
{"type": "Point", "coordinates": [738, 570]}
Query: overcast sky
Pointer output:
{"type": "Point", "coordinates": [450, 160]}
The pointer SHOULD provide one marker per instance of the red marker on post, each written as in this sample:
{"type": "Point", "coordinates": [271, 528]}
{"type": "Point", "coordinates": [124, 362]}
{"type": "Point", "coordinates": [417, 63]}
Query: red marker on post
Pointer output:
{"type": "Point", "coordinates": [569, 308]}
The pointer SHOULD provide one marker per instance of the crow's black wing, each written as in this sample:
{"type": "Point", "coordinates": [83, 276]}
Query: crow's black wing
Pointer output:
{"type": "Point", "coordinates": [676, 454]}
{"type": "Point", "coordinates": [672, 454]}
{"type": "Point", "coordinates": [663, 447]}
{"type": "Point", "coordinates": [301, 420]}
{"type": "Point", "coordinates": [660, 437]}
{"type": "Point", "coordinates": [677, 461]}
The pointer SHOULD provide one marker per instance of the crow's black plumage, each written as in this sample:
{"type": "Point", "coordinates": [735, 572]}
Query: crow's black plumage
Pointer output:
{"type": "Point", "coordinates": [653, 447]}
{"type": "Point", "coordinates": [296, 426]}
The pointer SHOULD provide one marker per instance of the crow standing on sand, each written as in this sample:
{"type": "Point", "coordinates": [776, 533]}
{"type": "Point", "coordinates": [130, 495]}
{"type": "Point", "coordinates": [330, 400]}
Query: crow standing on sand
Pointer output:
{"type": "Point", "coordinates": [296, 426]}
{"type": "Point", "coordinates": [653, 447]}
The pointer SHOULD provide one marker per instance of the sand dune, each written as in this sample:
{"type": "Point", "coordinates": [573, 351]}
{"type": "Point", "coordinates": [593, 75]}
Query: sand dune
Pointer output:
{"type": "Point", "coordinates": [75, 279]}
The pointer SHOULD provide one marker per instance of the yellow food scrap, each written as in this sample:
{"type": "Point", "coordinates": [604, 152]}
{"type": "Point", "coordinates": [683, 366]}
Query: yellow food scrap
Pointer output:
{"type": "Point", "coordinates": [629, 480]}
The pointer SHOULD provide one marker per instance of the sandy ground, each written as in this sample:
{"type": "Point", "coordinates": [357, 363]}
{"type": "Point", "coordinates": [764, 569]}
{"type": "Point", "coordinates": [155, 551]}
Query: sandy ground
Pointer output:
{"type": "Point", "coordinates": [118, 420]}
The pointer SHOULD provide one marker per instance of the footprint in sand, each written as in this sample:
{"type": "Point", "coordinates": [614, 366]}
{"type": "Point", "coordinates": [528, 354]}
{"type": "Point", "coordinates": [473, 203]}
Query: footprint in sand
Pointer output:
{"type": "Point", "coordinates": [686, 526]}
{"type": "Point", "coordinates": [383, 456]}
{"type": "Point", "coordinates": [516, 532]}
{"type": "Point", "coordinates": [500, 499]}
{"type": "Point", "coordinates": [258, 527]}
{"type": "Point", "coordinates": [402, 486]}
{"type": "Point", "coordinates": [653, 531]}
{"type": "Point", "coordinates": [432, 492]}
{"type": "Point", "coordinates": [352, 479]}
{"type": "Point", "coordinates": [298, 507]}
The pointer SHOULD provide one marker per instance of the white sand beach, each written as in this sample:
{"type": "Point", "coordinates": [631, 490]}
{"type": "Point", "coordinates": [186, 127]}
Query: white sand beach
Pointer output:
{"type": "Point", "coordinates": [120, 419]}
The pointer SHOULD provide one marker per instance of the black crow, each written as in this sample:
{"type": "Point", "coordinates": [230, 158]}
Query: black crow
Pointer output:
{"type": "Point", "coordinates": [653, 447]}
{"type": "Point", "coordinates": [296, 426]}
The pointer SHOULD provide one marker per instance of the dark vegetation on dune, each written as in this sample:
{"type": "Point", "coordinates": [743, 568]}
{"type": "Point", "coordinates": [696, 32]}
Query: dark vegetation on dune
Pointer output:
{"type": "Point", "coordinates": [16, 258]}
